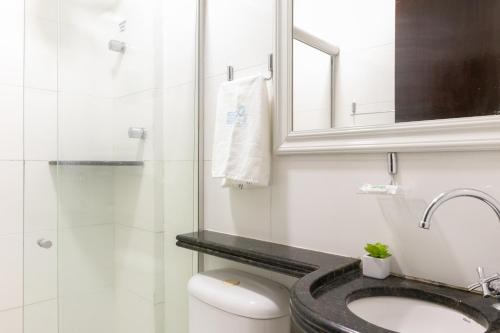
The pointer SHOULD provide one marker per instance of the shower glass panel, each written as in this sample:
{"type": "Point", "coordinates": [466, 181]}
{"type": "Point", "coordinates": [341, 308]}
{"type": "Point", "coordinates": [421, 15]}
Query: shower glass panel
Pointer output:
{"type": "Point", "coordinates": [125, 188]}
{"type": "Point", "coordinates": [98, 164]}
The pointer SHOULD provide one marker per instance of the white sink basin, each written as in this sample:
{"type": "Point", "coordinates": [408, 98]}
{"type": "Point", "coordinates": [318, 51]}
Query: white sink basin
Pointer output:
{"type": "Point", "coordinates": [407, 315]}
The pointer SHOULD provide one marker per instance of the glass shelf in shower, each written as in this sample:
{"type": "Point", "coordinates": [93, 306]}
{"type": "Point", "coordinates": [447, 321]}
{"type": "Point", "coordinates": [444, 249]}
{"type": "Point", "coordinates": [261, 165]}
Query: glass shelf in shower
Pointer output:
{"type": "Point", "coordinates": [97, 163]}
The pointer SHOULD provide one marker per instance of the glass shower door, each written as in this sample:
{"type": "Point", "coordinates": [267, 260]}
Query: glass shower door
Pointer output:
{"type": "Point", "coordinates": [98, 164]}
{"type": "Point", "coordinates": [124, 188]}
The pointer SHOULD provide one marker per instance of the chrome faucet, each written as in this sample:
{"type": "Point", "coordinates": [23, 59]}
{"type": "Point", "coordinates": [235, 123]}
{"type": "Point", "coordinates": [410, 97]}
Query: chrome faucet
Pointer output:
{"type": "Point", "coordinates": [460, 192]}
{"type": "Point", "coordinates": [489, 285]}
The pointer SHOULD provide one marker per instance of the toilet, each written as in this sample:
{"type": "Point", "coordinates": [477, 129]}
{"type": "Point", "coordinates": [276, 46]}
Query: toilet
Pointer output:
{"type": "Point", "coordinates": [229, 301]}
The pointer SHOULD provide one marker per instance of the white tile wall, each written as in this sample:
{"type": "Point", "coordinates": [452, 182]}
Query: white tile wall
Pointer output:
{"type": "Point", "coordinates": [176, 279]}
{"type": "Point", "coordinates": [41, 53]}
{"type": "Point", "coordinates": [11, 42]}
{"type": "Point", "coordinates": [11, 271]}
{"type": "Point", "coordinates": [85, 63]}
{"type": "Point", "coordinates": [11, 198]}
{"type": "Point", "coordinates": [40, 196]}
{"type": "Point", "coordinates": [179, 196]}
{"type": "Point", "coordinates": [46, 9]}
{"type": "Point", "coordinates": [179, 122]}
{"type": "Point", "coordinates": [41, 317]}
{"type": "Point", "coordinates": [11, 127]}
{"type": "Point", "coordinates": [138, 262]}
{"type": "Point", "coordinates": [85, 259]}
{"type": "Point", "coordinates": [85, 196]}
{"type": "Point", "coordinates": [85, 131]}
{"type": "Point", "coordinates": [87, 312]}
{"type": "Point", "coordinates": [135, 314]}
{"type": "Point", "coordinates": [40, 124]}
{"type": "Point", "coordinates": [134, 110]}
{"type": "Point", "coordinates": [134, 71]}
{"type": "Point", "coordinates": [28, 99]}
{"type": "Point", "coordinates": [179, 27]}
{"type": "Point", "coordinates": [367, 78]}
{"type": "Point", "coordinates": [229, 41]}
{"type": "Point", "coordinates": [40, 268]}
{"type": "Point", "coordinates": [313, 93]}
{"type": "Point", "coordinates": [238, 212]}
{"type": "Point", "coordinates": [11, 321]}
{"type": "Point", "coordinates": [134, 197]}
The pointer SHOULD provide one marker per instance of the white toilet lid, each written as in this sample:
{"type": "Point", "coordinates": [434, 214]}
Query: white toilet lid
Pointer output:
{"type": "Point", "coordinates": [241, 293]}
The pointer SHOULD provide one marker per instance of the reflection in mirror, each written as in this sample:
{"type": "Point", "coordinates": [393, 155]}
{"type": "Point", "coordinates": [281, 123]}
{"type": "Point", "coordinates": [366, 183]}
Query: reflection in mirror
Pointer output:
{"type": "Point", "coordinates": [380, 62]}
{"type": "Point", "coordinates": [314, 88]}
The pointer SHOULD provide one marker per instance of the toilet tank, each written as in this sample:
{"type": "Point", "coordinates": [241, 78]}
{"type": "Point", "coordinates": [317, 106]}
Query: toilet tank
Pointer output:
{"type": "Point", "coordinates": [230, 301]}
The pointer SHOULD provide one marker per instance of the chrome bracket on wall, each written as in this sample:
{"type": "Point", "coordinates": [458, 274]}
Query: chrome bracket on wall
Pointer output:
{"type": "Point", "coordinates": [136, 133]}
{"type": "Point", "coordinates": [44, 243]}
{"type": "Point", "coordinates": [270, 69]}
{"type": "Point", "coordinates": [392, 166]}
{"type": "Point", "coordinates": [117, 46]}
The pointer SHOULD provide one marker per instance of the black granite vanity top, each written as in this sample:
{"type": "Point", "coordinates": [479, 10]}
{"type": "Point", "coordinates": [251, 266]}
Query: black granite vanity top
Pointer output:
{"type": "Point", "coordinates": [323, 307]}
{"type": "Point", "coordinates": [284, 259]}
{"type": "Point", "coordinates": [329, 282]}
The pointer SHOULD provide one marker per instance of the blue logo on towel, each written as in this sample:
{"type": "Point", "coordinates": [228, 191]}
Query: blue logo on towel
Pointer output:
{"type": "Point", "coordinates": [237, 118]}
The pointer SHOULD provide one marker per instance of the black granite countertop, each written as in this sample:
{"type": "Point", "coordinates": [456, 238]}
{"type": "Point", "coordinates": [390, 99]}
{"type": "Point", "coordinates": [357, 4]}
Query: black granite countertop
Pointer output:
{"type": "Point", "coordinates": [329, 282]}
{"type": "Point", "coordinates": [323, 308]}
{"type": "Point", "coordinates": [279, 258]}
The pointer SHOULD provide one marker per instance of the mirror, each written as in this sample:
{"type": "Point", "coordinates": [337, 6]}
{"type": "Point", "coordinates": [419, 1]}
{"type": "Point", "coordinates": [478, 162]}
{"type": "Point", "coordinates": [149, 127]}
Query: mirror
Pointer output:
{"type": "Point", "coordinates": [358, 63]}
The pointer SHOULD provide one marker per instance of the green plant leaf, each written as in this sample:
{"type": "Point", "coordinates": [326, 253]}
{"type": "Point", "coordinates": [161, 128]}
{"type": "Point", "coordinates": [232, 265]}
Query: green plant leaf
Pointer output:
{"type": "Point", "coordinates": [378, 250]}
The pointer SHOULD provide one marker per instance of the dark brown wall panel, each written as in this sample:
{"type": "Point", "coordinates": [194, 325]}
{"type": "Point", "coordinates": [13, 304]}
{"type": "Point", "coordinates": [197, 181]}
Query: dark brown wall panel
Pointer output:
{"type": "Point", "coordinates": [447, 59]}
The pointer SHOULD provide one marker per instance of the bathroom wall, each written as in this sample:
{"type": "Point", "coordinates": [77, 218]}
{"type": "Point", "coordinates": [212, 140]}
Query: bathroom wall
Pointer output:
{"type": "Point", "coordinates": [313, 201]}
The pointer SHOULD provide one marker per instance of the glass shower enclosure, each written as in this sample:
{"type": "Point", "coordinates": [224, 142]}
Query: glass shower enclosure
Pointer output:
{"type": "Point", "coordinates": [98, 164]}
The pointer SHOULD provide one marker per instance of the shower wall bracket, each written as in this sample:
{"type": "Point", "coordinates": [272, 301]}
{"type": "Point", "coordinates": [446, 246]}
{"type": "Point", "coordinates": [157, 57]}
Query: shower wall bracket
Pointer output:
{"type": "Point", "coordinates": [117, 46]}
{"type": "Point", "coordinates": [136, 133]}
{"type": "Point", "coordinates": [270, 69]}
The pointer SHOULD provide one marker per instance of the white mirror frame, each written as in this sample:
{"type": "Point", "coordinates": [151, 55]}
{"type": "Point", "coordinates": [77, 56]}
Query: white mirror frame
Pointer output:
{"type": "Point", "coordinates": [472, 133]}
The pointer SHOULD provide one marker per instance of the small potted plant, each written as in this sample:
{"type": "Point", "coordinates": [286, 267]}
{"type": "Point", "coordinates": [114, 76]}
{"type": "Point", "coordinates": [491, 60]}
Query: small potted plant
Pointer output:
{"type": "Point", "coordinates": [377, 261]}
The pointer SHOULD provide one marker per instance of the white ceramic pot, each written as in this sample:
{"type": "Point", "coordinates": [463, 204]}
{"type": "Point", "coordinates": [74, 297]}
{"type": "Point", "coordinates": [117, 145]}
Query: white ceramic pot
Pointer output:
{"type": "Point", "coordinates": [376, 268]}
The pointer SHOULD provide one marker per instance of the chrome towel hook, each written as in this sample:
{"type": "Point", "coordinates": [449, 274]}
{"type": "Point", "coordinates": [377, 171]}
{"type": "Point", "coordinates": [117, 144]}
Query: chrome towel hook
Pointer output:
{"type": "Point", "coordinates": [270, 68]}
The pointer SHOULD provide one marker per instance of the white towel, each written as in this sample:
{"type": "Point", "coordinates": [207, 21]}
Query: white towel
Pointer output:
{"type": "Point", "coordinates": [242, 142]}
